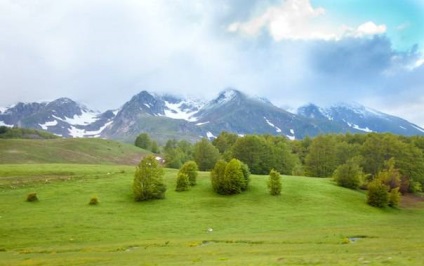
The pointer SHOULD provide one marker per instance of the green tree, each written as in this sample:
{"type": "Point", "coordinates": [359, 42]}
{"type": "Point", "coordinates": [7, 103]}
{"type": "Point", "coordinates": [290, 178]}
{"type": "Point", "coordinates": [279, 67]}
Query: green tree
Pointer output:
{"type": "Point", "coordinates": [190, 169]}
{"type": "Point", "coordinates": [321, 160]}
{"type": "Point", "coordinates": [183, 183]}
{"type": "Point", "coordinates": [143, 141]}
{"type": "Point", "coordinates": [255, 152]}
{"type": "Point", "coordinates": [394, 197]}
{"type": "Point", "coordinates": [217, 176]}
{"type": "Point", "coordinates": [349, 175]}
{"type": "Point", "coordinates": [233, 178]}
{"type": "Point", "coordinates": [274, 183]}
{"type": "Point", "coordinates": [377, 194]}
{"type": "Point", "coordinates": [205, 155]}
{"type": "Point", "coordinates": [154, 147]}
{"type": "Point", "coordinates": [246, 175]}
{"type": "Point", "coordinates": [148, 180]}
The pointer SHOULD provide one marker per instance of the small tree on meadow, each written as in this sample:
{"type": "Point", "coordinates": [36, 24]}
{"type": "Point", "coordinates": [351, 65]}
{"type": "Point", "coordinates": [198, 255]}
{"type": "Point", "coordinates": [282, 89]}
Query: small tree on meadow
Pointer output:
{"type": "Point", "coordinates": [148, 180]}
{"type": "Point", "coordinates": [246, 175]}
{"type": "Point", "coordinates": [217, 176]}
{"type": "Point", "coordinates": [348, 175]}
{"type": "Point", "coordinates": [183, 183]}
{"type": "Point", "coordinates": [394, 197]}
{"type": "Point", "coordinates": [234, 179]}
{"type": "Point", "coordinates": [274, 183]}
{"type": "Point", "coordinates": [377, 195]}
{"type": "Point", "coordinates": [190, 169]}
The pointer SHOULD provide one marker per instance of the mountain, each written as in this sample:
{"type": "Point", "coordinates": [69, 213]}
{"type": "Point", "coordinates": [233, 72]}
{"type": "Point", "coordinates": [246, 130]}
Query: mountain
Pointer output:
{"type": "Point", "coordinates": [354, 117]}
{"type": "Point", "coordinates": [62, 117]}
{"type": "Point", "coordinates": [166, 117]}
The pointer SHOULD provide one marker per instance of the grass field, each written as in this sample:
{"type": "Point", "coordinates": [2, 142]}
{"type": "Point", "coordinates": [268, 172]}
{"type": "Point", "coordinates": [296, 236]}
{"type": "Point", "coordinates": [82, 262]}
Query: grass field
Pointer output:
{"type": "Point", "coordinates": [88, 151]}
{"type": "Point", "coordinates": [312, 222]}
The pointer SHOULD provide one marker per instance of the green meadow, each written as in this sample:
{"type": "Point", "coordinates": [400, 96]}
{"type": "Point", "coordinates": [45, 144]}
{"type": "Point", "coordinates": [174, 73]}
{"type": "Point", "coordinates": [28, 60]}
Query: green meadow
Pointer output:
{"type": "Point", "coordinates": [313, 222]}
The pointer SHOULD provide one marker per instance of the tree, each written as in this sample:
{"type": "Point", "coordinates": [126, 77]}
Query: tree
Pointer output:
{"type": "Point", "coordinates": [190, 169]}
{"type": "Point", "coordinates": [205, 155]}
{"type": "Point", "coordinates": [233, 178]}
{"type": "Point", "coordinates": [229, 178]}
{"type": "Point", "coordinates": [274, 183]}
{"type": "Point", "coordinates": [143, 141]}
{"type": "Point", "coordinates": [246, 175]}
{"type": "Point", "coordinates": [394, 197]}
{"type": "Point", "coordinates": [321, 160]}
{"type": "Point", "coordinates": [217, 176]}
{"type": "Point", "coordinates": [255, 152]}
{"type": "Point", "coordinates": [349, 175]}
{"type": "Point", "coordinates": [183, 183]}
{"type": "Point", "coordinates": [148, 180]}
{"type": "Point", "coordinates": [377, 195]}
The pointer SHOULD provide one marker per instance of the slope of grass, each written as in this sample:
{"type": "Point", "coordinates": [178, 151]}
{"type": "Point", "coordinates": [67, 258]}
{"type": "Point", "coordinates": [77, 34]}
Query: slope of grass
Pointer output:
{"type": "Point", "coordinates": [24, 133]}
{"type": "Point", "coordinates": [310, 223]}
{"type": "Point", "coordinates": [91, 151]}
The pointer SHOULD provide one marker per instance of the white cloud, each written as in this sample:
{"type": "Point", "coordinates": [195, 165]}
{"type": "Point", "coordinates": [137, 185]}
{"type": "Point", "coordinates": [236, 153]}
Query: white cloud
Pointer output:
{"type": "Point", "coordinates": [299, 20]}
{"type": "Point", "coordinates": [370, 28]}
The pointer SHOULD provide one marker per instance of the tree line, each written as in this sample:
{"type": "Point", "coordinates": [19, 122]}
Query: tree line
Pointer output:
{"type": "Point", "coordinates": [353, 160]}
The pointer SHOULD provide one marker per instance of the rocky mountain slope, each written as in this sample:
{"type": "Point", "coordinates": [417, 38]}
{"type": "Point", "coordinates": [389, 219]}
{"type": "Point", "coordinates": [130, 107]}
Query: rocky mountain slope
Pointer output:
{"type": "Point", "coordinates": [166, 117]}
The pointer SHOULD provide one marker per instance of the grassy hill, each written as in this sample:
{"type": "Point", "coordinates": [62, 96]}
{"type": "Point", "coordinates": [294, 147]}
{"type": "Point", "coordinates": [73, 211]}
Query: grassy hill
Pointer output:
{"type": "Point", "coordinates": [24, 133]}
{"type": "Point", "coordinates": [312, 222]}
{"type": "Point", "coordinates": [83, 151]}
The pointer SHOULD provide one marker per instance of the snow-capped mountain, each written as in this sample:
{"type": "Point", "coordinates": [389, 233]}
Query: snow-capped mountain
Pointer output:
{"type": "Point", "coordinates": [62, 117]}
{"type": "Point", "coordinates": [358, 118]}
{"type": "Point", "coordinates": [166, 117]}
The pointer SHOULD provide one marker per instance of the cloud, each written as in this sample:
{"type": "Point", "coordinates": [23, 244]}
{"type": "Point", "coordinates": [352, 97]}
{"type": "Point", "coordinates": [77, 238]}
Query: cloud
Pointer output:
{"type": "Point", "coordinates": [299, 20]}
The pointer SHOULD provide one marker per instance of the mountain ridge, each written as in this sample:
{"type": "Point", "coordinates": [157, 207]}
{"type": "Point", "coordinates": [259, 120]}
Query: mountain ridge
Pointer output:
{"type": "Point", "coordinates": [167, 116]}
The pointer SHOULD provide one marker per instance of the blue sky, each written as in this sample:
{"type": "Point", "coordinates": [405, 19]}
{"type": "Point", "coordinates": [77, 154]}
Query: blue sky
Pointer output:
{"type": "Point", "coordinates": [293, 52]}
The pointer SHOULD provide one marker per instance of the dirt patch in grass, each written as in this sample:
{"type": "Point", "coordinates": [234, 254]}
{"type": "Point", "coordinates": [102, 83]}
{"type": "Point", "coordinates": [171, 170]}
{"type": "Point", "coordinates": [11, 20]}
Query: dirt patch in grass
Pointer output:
{"type": "Point", "coordinates": [412, 201]}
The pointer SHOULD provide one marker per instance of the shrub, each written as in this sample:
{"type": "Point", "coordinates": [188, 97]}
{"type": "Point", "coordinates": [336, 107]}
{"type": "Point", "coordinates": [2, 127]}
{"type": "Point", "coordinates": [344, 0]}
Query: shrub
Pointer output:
{"type": "Point", "coordinates": [233, 178]}
{"type": "Point", "coordinates": [274, 183]}
{"type": "Point", "coordinates": [348, 175]}
{"type": "Point", "coordinates": [217, 176]}
{"type": "Point", "coordinates": [190, 169]}
{"type": "Point", "coordinates": [93, 201]}
{"type": "Point", "coordinates": [246, 175]}
{"type": "Point", "coordinates": [377, 195]}
{"type": "Point", "coordinates": [148, 180]}
{"type": "Point", "coordinates": [31, 197]}
{"type": "Point", "coordinates": [183, 183]}
{"type": "Point", "coordinates": [394, 197]}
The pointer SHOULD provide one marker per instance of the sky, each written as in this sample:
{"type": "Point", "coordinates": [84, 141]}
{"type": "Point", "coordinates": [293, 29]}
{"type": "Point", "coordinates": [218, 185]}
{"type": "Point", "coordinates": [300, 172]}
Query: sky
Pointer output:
{"type": "Point", "coordinates": [293, 52]}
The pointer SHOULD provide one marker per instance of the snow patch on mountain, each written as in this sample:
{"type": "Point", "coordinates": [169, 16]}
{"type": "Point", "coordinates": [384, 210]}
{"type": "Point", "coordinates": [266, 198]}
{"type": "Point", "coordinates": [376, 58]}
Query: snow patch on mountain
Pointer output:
{"type": "Point", "coordinates": [3, 124]}
{"type": "Point", "coordinates": [2, 109]}
{"type": "Point", "coordinates": [85, 118]}
{"type": "Point", "coordinates": [48, 124]}
{"type": "Point", "coordinates": [209, 135]}
{"type": "Point", "coordinates": [176, 111]}
{"type": "Point", "coordinates": [202, 123]}
{"type": "Point", "coordinates": [366, 129]}
{"type": "Point", "coordinates": [277, 129]}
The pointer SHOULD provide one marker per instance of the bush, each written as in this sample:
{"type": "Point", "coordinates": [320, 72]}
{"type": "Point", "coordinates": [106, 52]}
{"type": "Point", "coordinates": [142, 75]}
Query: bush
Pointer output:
{"type": "Point", "coordinates": [377, 195]}
{"type": "Point", "coordinates": [246, 175]}
{"type": "Point", "coordinates": [394, 197]}
{"type": "Point", "coordinates": [348, 175]}
{"type": "Point", "coordinates": [183, 183]}
{"type": "Point", "coordinates": [274, 183]}
{"type": "Point", "coordinates": [148, 180]}
{"type": "Point", "coordinates": [217, 176]}
{"type": "Point", "coordinates": [233, 178]}
{"type": "Point", "coordinates": [93, 201]}
{"type": "Point", "coordinates": [190, 169]}
{"type": "Point", "coordinates": [31, 197]}
{"type": "Point", "coordinates": [230, 178]}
